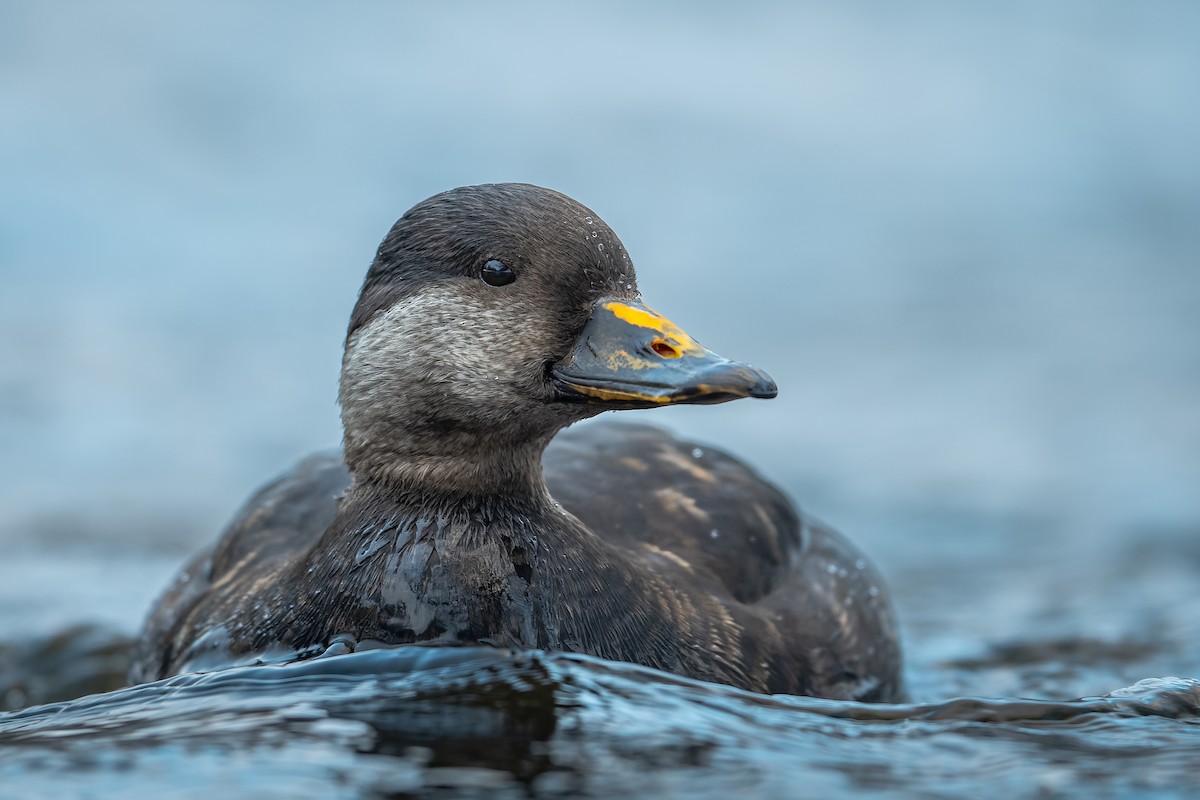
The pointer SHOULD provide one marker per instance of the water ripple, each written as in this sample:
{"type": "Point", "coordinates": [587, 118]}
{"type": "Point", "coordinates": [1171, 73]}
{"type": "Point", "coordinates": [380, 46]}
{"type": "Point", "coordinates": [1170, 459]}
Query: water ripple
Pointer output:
{"type": "Point", "coordinates": [486, 721]}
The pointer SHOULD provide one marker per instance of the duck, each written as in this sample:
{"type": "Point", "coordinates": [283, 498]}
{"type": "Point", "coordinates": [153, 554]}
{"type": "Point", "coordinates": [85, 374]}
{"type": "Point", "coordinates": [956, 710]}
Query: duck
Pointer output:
{"type": "Point", "coordinates": [463, 508]}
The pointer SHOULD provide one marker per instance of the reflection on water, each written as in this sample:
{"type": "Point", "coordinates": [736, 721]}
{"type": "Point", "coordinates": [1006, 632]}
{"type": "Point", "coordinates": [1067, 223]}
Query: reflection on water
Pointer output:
{"type": "Point", "coordinates": [479, 721]}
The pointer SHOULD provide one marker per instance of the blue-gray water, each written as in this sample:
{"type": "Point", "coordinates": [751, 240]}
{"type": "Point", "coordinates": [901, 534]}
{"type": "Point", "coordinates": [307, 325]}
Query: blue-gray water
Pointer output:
{"type": "Point", "coordinates": [964, 239]}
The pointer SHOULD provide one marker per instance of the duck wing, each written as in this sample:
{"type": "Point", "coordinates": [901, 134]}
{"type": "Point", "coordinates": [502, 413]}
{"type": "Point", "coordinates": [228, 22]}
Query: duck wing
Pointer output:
{"type": "Point", "coordinates": [283, 518]}
{"type": "Point", "coordinates": [700, 513]}
{"type": "Point", "coordinates": [644, 489]}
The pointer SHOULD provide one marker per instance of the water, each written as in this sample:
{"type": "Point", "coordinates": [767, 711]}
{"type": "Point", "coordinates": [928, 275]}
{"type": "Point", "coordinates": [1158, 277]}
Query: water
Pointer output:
{"type": "Point", "coordinates": [964, 240]}
{"type": "Point", "coordinates": [482, 722]}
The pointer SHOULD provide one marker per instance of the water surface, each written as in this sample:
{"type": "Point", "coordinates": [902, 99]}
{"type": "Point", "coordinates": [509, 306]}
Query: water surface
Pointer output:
{"type": "Point", "coordinates": [483, 722]}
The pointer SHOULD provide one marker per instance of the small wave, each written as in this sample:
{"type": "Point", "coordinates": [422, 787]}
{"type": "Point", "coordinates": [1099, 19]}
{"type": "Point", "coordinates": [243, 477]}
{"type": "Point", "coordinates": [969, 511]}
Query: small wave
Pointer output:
{"type": "Point", "coordinates": [483, 720]}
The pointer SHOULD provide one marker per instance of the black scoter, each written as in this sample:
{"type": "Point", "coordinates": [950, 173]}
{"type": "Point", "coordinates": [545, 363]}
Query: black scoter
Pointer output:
{"type": "Point", "coordinates": [460, 511]}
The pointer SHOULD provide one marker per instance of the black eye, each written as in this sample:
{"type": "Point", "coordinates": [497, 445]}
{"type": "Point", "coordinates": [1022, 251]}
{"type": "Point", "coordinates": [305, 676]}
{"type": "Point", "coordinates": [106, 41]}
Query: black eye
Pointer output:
{"type": "Point", "coordinates": [497, 273]}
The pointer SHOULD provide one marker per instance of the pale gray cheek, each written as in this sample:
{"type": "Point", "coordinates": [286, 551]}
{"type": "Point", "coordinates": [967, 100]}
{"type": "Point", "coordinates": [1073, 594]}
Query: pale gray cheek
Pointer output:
{"type": "Point", "coordinates": [437, 351]}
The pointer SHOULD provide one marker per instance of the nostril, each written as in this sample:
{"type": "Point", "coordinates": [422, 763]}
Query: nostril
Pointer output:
{"type": "Point", "coordinates": [664, 349]}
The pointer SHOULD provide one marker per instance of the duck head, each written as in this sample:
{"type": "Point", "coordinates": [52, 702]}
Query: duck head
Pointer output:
{"type": "Point", "coordinates": [491, 318]}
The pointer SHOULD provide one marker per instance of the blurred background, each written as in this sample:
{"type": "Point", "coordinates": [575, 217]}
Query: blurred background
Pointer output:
{"type": "Point", "coordinates": [964, 238]}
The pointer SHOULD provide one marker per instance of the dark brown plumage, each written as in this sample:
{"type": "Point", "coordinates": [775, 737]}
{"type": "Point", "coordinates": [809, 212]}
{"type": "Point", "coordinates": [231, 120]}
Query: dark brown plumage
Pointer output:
{"type": "Point", "coordinates": [446, 526]}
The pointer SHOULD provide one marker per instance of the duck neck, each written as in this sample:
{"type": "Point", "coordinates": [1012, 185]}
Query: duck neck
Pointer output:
{"type": "Point", "coordinates": [437, 552]}
{"type": "Point", "coordinates": [450, 467]}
